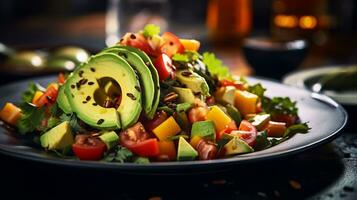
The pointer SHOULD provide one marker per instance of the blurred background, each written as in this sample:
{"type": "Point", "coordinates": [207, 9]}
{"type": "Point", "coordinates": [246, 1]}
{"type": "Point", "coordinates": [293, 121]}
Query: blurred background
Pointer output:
{"type": "Point", "coordinates": [254, 37]}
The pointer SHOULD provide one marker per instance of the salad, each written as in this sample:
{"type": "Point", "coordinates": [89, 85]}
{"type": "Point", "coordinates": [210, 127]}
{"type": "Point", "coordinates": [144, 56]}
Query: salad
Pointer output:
{"type": "Point", "coordinates": [152, 98]}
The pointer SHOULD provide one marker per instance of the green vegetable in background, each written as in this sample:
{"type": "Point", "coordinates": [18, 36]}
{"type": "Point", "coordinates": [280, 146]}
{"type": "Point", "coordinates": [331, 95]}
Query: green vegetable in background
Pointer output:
{"type": "Point", "coordinates": [151, 30]}
{"type": "Point", "coordinates": [215, 66]}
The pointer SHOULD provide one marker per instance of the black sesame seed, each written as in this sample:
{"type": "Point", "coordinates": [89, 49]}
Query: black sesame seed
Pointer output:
{"type": "Point", "coordinates": [132, 36]}
{"type": "Point", "coordinates": [131, 96]}
{"type": "Point", "coordinates": [90, 83]}
{"type": "Point", "coordinates": [83, 81]}
{"type": "Point", "coordinates": [80, 73]}
{"type": "Point", "coordinates": [73, 86]}
{"type": "Point", "coordinates": [121, 40]}
{"type": "Point", "coordinates": [138, 88]}
{"type": "Point", "coordinates": [94, 104]}
{"type": "Point", "coordinates": [84, 102]}
{"type": "Point", "coordinates": [171, 43]}
{"type": "Point", "coordinates": [78, 85]}
{"type": "Point", "coordinates": [88, 98]}
{"type": "Point", "coordinates": [92, 69]}
{"type": "Point", "coordinates": [100, 121]}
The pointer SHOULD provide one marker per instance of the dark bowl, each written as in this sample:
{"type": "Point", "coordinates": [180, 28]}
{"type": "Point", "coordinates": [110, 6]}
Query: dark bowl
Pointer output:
{"type": "Point", "coordinates": [273, 59]}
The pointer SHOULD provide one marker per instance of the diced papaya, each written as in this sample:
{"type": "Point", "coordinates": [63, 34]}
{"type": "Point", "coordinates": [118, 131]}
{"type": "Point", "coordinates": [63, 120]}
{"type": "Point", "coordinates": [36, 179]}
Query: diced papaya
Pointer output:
{"type": "Point", "coordinates": [220, 119]}
{"type": "Point", "coordinates": [167, 148]}
{"type": "Point", "coordinates": [36, 96]}
{"type": "Point", "coordinates": [190, 45]}
{"type": "Point", "coordinates": [167, 129]}
{"type": "Point", "coordinates": [245, 102]}
{"type": "Point", "coordinates": [10, 114]}
{"type": "Point", "coordinates": [194, 141]}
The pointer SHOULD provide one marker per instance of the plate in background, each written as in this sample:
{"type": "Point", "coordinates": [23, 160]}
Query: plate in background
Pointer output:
{"type": "Point", "coordinates": [305, 79]}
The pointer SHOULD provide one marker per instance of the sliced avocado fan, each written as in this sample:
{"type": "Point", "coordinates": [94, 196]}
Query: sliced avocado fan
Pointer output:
{"type": "Point", "coordinates": [145, 77]}
{"type": "Point", "coordinates": [154, 74]}
{"type": "Point", "coordinates": [86, 94]}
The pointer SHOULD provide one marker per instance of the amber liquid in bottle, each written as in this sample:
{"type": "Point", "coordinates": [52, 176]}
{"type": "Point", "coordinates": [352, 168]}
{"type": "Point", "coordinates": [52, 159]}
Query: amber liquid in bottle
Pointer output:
{"type": "Point", "coordinates": [229, 19]}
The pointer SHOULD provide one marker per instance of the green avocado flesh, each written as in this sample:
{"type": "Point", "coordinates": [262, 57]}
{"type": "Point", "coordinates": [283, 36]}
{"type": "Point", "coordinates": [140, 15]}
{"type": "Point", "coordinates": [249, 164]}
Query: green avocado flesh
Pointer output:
{"type": "Point", "coordinates": [146, 80]}
{"type": "Point", "coordinates": [236, 146]}
{"type": "Point", "coordinates": [193, 81]}
{"type": "Point", "coordinates": [110, 139]}
{"type": "Point", "coordinates": [154, 74]}
{"type": "Point", "coordinates": [63, 101]}
{"type": "Point", "coordinates": [185, 151]}
{"type": "Point", "coordinates": [204, 129]}
{"type": "Point", "coordinates": [85, 91]}
{"type": "Point", "coordinates": [58, 138]}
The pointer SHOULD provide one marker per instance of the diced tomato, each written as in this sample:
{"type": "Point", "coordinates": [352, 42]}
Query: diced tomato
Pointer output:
{"type": "Point", "coordinates": [137, 140]}
{"type": "Point", "coordinates": [137, 40]}
{"type": "Point", "coordinates": [198, 113]}
{"type": "Point", "coordinates": [231, 127]}
{"type": "Point", "coordinates": [258, 108]}
{"type": "Point", "coordinates": [160, 117]}
{"type": "Point", "coordinates": [48, 98]}
{"type": "Point", "coordinates": [275, 129]}
{"type": "Point", "coordinates": [288, 119]}
{"type": "Point", "coordinates": [250, 134]}
{"type": "Point", "coordinates": [171, 44]}
{"type": "Point", "coordinates": [147, 148]}
{"type": "Point", "coordinates": [88, 148]}
{"type": "Point", "coordinates": [237, 85]}
{"type": "Point", "coordinates": [61, 79]}
{"type": "Point", "coordinates": [164, 67]}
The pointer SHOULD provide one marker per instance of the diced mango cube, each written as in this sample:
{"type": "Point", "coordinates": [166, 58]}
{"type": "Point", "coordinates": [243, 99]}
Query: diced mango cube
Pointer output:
{"type": "Point", "coordinates": [194, 141]}
{"type": "Point", "coordinates": [36, 96]}
{"type": "Point", "coordinates": [167, 148]}
{"type": "Point", "coordinates": [245, 102]}
{"type": "Point", "coordinates": [190, 45]}
{"type": "Point", "coordinates": [220, 119]}
{"type": "Point", "coordinates": [10, 114]}
{"type": "Point", "coordinates": [167, 129]}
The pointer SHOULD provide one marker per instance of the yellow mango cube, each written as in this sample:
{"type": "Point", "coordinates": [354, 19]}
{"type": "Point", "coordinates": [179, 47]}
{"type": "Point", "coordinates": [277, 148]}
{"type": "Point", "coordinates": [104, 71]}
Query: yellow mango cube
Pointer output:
{"type": "Point", "coordinates": [245, 102]}
{"type": "Point", "coordinates": [37, 96]}
{"type": "Point", "coordinates": [190, 45]}
{"type": "Point", "coordinates": [220, 119]}
{"type": "Point", "coordinates": [167, 129]}
{"type": "Point", "coordinates": [10, 114]}
{"type": "Point", "coordinates": [194, 141]}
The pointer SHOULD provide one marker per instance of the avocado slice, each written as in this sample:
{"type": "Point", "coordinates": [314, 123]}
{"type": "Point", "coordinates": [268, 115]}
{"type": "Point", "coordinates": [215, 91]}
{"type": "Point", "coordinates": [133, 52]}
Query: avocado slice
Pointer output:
{"type": "Point", "coordinates": [63, 101]}
{"type": "Point", "coordinates": [154, 74]}
{"type": "Point", "coordinates": [204, 129]}
{"type": "Point", "coordinates": [185, 151]}
{"type": "Point", "coordinates": [185, 95]}
{"type": "Point", "coordinates": [57, 138]}
{"type": "Point", "coordinates": [234, 113]}
{"type": "Point", "coordinates": [259, 121]}
{"type": "Point", "coordinates": [146, 80]}
{"type": "Point", "coordinates": [236, 146]}
{"type": "Point", "coordinates": [109, 138]}
{"type": "Point", "coordinates": [84, 91]}
{"type": "Point", "coordinates": [193, 81]}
